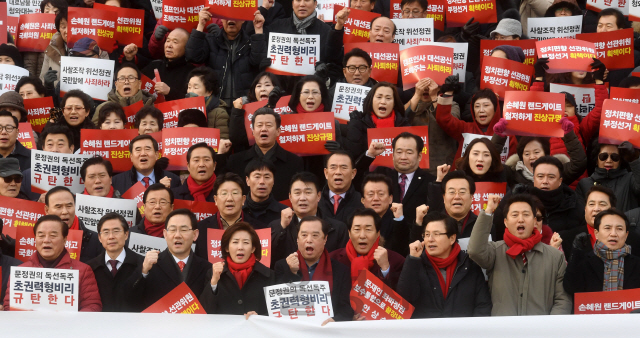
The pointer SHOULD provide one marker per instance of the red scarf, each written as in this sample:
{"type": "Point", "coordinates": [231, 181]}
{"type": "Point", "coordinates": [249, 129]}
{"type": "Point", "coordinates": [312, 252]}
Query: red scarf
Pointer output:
{"type": "Point", "coordinates": [592, 234]}
{"type": "Point", "coordinates": [362, 262]}
{"type": "Point", "coordinates": [449, 264]}
{"type": "Point", "coordinates": [154, 230]}
{"type": "Point", "coordinates": [387, 122]}
{"type": "Point", "coordinates": [219, 218]}
{"type": "Point", "coordinates": [200, 191]}
{"type": "Point", "coordinates": [76, 224]}
{"type": "Point", "coordinates": [300, 109]}
{"type": "Point", "coordinates": [110, 194]}
{"type": "Point", "coordinates": [519, 246]}
{"type": "Point", "coordinates": [323, 272]}
{"type": "Point", "coordinates": [241, 271]}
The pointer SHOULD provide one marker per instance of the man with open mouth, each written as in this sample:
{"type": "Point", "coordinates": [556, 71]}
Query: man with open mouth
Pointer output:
{"type": "Point", "coordinates": [201, 162]}
{"type": "Point", "coordinates": [97, 174]}
{"type": "Point", "coordinates": [260, 204]}
{"type": "Point", "coordinates": [158, 203]}
{"type": "Point", "coordinates": [339, 197]}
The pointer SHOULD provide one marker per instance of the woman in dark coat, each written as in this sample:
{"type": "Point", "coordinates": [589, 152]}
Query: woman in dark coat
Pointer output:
{"type": "Point", "coordinates": [237, 282]}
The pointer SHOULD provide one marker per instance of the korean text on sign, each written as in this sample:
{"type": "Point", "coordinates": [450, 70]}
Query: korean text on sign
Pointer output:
{"type": "Point", "coordinates": [44, 289]}
{"type": "Point", "coordinates": [303, 300]}
{"type": "Point", "coordinates": [54, 169]}
{"type": "Point", "coordinates": [293, 54]}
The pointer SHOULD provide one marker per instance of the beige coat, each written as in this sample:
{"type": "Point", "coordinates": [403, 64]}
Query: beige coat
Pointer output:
{"type": "Point", "coordinates": [518, 290]}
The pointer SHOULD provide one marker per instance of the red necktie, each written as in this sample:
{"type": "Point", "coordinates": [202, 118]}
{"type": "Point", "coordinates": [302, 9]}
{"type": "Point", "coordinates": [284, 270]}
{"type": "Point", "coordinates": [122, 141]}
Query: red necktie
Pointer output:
{"type": "Point", "coordinates": [145, 182]}
{"type": "Point", "coordinates": [403, 182]}
{"type": "Point", "coordinates": [181, 265]}
{"type": "Point", "coordinates": [114, 264]}
{"type": "Point", "coordinates": [336, 202]}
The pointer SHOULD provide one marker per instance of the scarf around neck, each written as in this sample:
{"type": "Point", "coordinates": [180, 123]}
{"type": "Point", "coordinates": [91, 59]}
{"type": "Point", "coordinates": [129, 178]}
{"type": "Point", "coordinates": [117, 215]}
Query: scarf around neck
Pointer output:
{"type": "Point", "coordinates": [387, 122]}
{"type": "Point", "coordinates": [300, 109]}
{"type": "Point", "coordinates": [110, 194]}
{"type": "Point", "coordinates": [258, 208]}
{"type": "Point", "coordinates": [360, 262]}
{"type": "Point", "coordinates": [302, 25]}
{"type": "Point", "coordinates": [449, 264]}
{"type": "Point", "coordinates": [51, 264]}
{"type": "Point", "coordinates": [323, 272]}
{"type": "Point", "coordinates": [613, 265]}
{"type": "Point", "coordinates": [200, 191]}
{"type": "Point", "coordinates": [526, 173]}
{"type": "Point", "coordinates": [76, 224]}
{"type": "Point", "coordinates": [154, 230]}
{"type": "Point", "coordinates": [241, 271]}
{"type": "Point", "coordinates": [519, 246]}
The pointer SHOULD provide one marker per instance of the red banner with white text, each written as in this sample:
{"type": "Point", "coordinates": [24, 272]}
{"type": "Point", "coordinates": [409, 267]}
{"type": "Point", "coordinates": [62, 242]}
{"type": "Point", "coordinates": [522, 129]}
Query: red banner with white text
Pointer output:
{"type": "Point", "coordinates": [99, 25]}
{"type": "Point", "coordinates": [385, 59]}
{"type": "Point", "coordinates": [631, 95]}
{"type": "Point", "coordinates": [528, 47]}
{"type": "Point", "coordinates": [419, 62]}
{"type": "Point", "coordinates": [375, 300]}
{"type": "Point", "coordinates": [181, 13]}
{"type": "Point", "coordinates": [306, 134]}
{"type": "Point", "coordinates": [357, 25]}
{"type": "Point", "coordinates": [17, 212]}
{"type": "Point", "coordinates": [614, 49]}
{"type": "Point", "coordinates": [179, 300]}
{"type": "Point", "coordinates": [35, 32]}
{"type": "Point", "coordinates": [130, 24]}
{"type": "Point", "coordinates": [282, 107]}
{"type": "Point", "coordinates": [501, 75]}
{"type": "Point", "coordinates": [567, 55]}
{"type": "Point", "coordinates": [386, 136]}
{"type": "Point", "coordinates": [606, 302]}
{"type": "Point", "coordinates": [176, 143]}
{"type": "Point", "coordinates": [112, 145]}
{"type": "Point", "coordinates": [171, 109]}
{"type": "Point", "coordinates": [533, 113]}
{"type": "Point", "coordinates": [460, 11]}
{"type": "Point", "coordinates": [620, 122]}
{"type": "Point", "coordinates": [38, 112]}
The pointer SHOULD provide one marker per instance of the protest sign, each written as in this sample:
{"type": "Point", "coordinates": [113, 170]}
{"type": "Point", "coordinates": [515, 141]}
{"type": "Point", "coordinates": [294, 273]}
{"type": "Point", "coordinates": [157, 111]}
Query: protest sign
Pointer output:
{"type": "Point", "coordinates": [130, 112]}
{"type": "Point", "coordinates": [413, 32]}
{"type": "Point", "coordinates": [533, 113]}
{"type": "Point", "coordinates": [528, 47]}
{"type": "Point", "coordinates": [35, 32]}
{"type": "Point", "coordinates": [26, 243]}
{"type": "Point", "coordinates": [17, 212]}
{"type": "Point", "coordinates": [419, 62]}
{"type": "Point", "coordinates": [375, 300]}
{"type": "Point", "coordinates": [9, 77]}
{"type": "Point", "coordinates": [326, 8]}
{"type": "Point", "coordinates": [501, 75]}
{"type": "Point", "coordinates": [567, 55]}
{"type": "Point", "coordinates": [176, 143]}
{"type": "Point", "coordinates": [395, 10]}
{"type": "Point", "coordinates": [179, 300]}
{"type": "Point", "coordinates": [468, 137]}
{"type": "Point", "coordinates": [12, 26]}
{"type": "Point", "coordinates": [436, 11]}
{"type": "Point", "coordinates": [293, 54]}
{"type": "Point", "coordinates": [625, 94]}
{"type": "Point", "coordinates": [483, 190]}
{"type": "Point", "coordinates": [306, 134]}
{"type": "Point", "coordinates": [614, 49]}
{"type": "Point", "coordinates": [3, 22]}
{"type": "Point", "coordinates": [93, 76]}
{"type": "Point", "coordinates": [156, 5]}
{"type": "Point", "coordinates": [112, 145]}
{"type": "Point", "coordinates": [201, 209]}
{"type": "Point", "coordinates": [141, 244]}
{"type": "Point", "coordinates": [384, 57]}
{"type": "Point", "coordinates": [585, 96]}
{"type": "Point", "coordinates": [460, 11]}
{"type": "Point", "coordinates": [136, 192]}
{"type": "Point", "coordinates": [303, 300]}
{"type": "Point", "coordinates": [171, 109]}
{"type": "Point", "coordinates": [56, 169]}
{"type": "Point", "coordinates": [233, 9]}
{"type": "Point", "coordinates": [634, 10]}
{"type": "Point", "coordinates": [181, 13]}
{"type": "Point", "coordinates": [25, 135]}
{"type": "Point", "coordinates": [38, 112]}
{"type": "Point", "coordinates": [606, 302]}
{"type": "Point", "coordinates": [147, 84]}
{"type": "Point", "coordinates": [130, 24]}
{"type": "Point", "coordinates": [460, 56]}
{"type": "Point", "coordinates": [282, 107]}
{"type": "Point", "coordinates": [90, 209]}
{"type": "Point", "coordinates": [554, 27]}
{"type": "Point", "coordinates": [386, 136]}
{"type": "Point", "coordinates": [34, 289]}
{"type": "Point", "coordinates": [357, 25]}
{"type": "Point", "coordinates": [214, 245]}
{"type": "Point", "coordinates": [620, 121]}
{"type": "Point", "coordinates": [599, 5]}
{"type": "Point", "coordinates": [16, 8]}
{"type": "Point", "coordinates": [99, 25]}
{"type": "Point", "coordinates": [347, 98]}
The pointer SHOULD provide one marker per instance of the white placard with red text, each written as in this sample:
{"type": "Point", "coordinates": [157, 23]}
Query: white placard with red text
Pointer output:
{"type": "Point", "coordinates": [347, 98]}
{"type": "Point", "coordinates": [554, 27]}
{"type": "Point", "coordinates": [286, 301]}
{"type": "Point", "coordinates": [9, 77]}
{"type": "Point", "coordinates": [413, 32]}
{"type": "Point", "coordinates": [42, 289]}
{"type": "Point", "coordinates": [90, 209]}
{"type": "Point", "coordinates": [55, 169]}
{"type": "Point", "coordinates": [293, 54]}
{"type": "Point", "coordinates": [93, 76]}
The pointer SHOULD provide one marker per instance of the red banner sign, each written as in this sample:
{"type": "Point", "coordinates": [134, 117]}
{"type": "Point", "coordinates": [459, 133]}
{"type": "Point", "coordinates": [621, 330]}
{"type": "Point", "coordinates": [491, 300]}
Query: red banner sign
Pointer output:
{"type": "Point", "coordinates": [614, 49]}
{"type": "Point", "coordinates": [620, 122]}
{"type": "Point", "coordinates": [501, 75]}
{"type": "Point", "coordinates": [38, 112]}
{"type": "Point", "coordinates": [130, 113]}
{"type": "Point", "coordinates": [17, 213]}
{"type": "Point", "coordinates": [12, 26]}
{"type": "Point", "coordinates": [25, 136]}
{"type": "Point", "coordinates": [606, 302]}
{"type": "Point", "coordinates": [534, 113]}
{"type": "Point", "coordinates": [171, 109]}
{"type": "Point", "coordinates": [202, 210]}
{"type": "Point", "coordinates": [136, 192]}
{"type": "Point", "coordinates": [386, 136]}
{"type": "Point", "coordinates": [625, 94]}
{"type": "Point", "coordinates": [419, 62]}
{"type": "Point", "coordinates": [214, 245]}
{"type": "Point", "coordinates": [567, 55]}
{"type": "Point", "coordinates": [35, 32]}
{"type": "Point", "coordinates": [460, 11]}
{"type": "Point", "coordinates": [26, 243]}
{"type": "Point", "coordinates": [176, 143]}
{"type": "Point", "coordinates": [306, 134]}
{"type": "Point", "coordinates": [179, 300]}
{"type": "Point", "coordinates": [384, 57]}
{"type": "Point", "coordinates": [181, 13]}
{"type": "Point", "coordinates": [483, 190]}
{"type": "Point", "coordinates": [3, 22]}
{"type": "Point", "coordinates": [233, 9]}
{"type": "Point", "coordinates": [375, 300]}
{"type": "Point", "coordinates": [528, 47]}
{"type": "Point", "coordinates": [99, 25]}
{"type": "Point", "coordinates": [112, 145]}
{"type": "Point", "coordinates": [436, 11]}
{"type": "Point", "coordinates": [147, 84]}
{"type": "Point", "coordinates": [130, 24]}
{"type": "Point", "coordinates": [358, 25]}
{"type": "Point", "coordinates": [282, 107]}
{"type": "Point", "coordinates": [395, 10]}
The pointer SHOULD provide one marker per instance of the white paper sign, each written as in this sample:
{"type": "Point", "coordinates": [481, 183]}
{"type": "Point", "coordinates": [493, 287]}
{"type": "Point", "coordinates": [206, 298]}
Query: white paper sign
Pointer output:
{"type": "Point", "coordinates": [141, 244]}
{"type": "Point", "coordinates": [634, 10]}
{"type": "Point", "coordinates": [9, 77]}
{"type": "Point", "coordinates": [34, 289]}
{"type": "Point", "coordinates": [90, 209]}
{"type": "Point", "coordinates": [18, 7]}
{"type": "Point", "coordinates": [325, 7]}
{"type": "Point", "coordinates": [460, 55]}
{"type": "Point", "coordinates": [293, 54]}
{"type": "Point", "coordinates": [554, 27]}
{"type": "Point", "coordinates": [309, 301]}
{"type": "Point", "coordinates": [92, 76]}
{"type": "Point", "coordinates": [347, 98]}
{"type": "Point", "coordinates": [621, 5]}
{"type": "Point", "coordinates": [52, 169]}
{"type": "Point", "coordinates": [412, 32]}
{"type": "Point", "coordinates": [468, 137]}
{"type": "Point", "coordinates": [157, 8]}
{"type": "Point", "coordinates": [585, 96]}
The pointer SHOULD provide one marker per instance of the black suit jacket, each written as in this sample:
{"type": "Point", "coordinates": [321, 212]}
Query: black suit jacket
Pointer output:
{"type": "Point", "coordinates": [349, 204]}
{"type": "Point", "coordinates": [116, 292]}
{"type": "Point", "coordinates": [125, 180]}
{"type": "Point", "coordinates": [585, 272]}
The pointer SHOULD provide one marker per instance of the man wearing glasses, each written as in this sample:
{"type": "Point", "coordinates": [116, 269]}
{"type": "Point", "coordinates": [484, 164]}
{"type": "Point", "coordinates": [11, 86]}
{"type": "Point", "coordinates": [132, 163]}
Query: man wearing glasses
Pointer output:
{"type": "Point", "coordinates": [356, 70]}
{"type": "Point", "coordinates": [11, 179]}
{"type": "Point", "coordinates": [158, 203]}
{"type": "Point", "coordinates": [8, 137]}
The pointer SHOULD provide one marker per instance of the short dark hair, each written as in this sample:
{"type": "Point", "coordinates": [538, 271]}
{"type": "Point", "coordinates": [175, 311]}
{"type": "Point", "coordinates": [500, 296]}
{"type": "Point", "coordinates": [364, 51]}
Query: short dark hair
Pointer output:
{"type": "Point", "coordinates": [305, 177]}
{"type": "Point", "coordinates": [325, 225]}
{"type": "Point", "coordinates": [87, 101]}
{"type": "Point", "coordinates": [128, 64]}
{"type": "Point", "coordinates": [51, 218]}
{"type": "Point", "coordinates": [208, 77]}
{"type": "Point", "coordinates": [107, 109]}
{"type": "Point", "coordinates": [297, 90]}
{"type": "Point", "coordinates": [621, 22]}
{"type": "Point", "coordinates": [157, 187]}
{"type": "Point", "coordinates": [552, 160]}
{"type": "Point", "coordinates": [357, 52]}
{"type": "Point", "coordinates": [57, 189]}
{"type": "Point", "coordinates": [405, 134]}
{"type": "Point", "coordinates": [59, 4]}
{"type": "Point", "coordinates": [338, 152]}
{"type": "Point", "coordinates": [378, 17]}
{"type": "Point", "coordinates": [143, 137]}
{"type": "Point", "coordinates": [540, 207]}
{"type": "Point", "coordinates": [485, 94]}
{"type": "Point", "coordinates": [630, 81]}
{"type": "Point", "coordinates": [367, 105]}
{"type": "Point", "coordinates": [613, 200]}
{"type": "Point", "coordinates": [200, 145]}
{"type": "Point", "coordinates": [423, 3]}
{"type": "Point", "coordinates": [113, 216]}
{"type": "Point", "coordinates": [251, 95]}
{"type": "Point", "coordinates": [62, 14]}
{"type": "Point", "coordinates": [377, 178]}
{"type": "Point", "coordinates": [266, 111]}
{"type": "Point", "coordinates": [192, 116]}
{"type": "Point", "coordinates": [8, 114]}
{"type": "Point", "coordinates": [522, 143]}
{"type": "Point", "coordinates": [457, 175]}
{"type": "Point", "coordinates": [97, 160]}
{"type": "Point", "coordinates": [240, 226]}
{"type": "Point", "coordinates": [56, 128]}
{"type": "Point", "coordinates": [228, 177]}
{"type": "Point", "coordinates": [259, 164]}
{"type": "Point", "coordinates": [184, 212]}
{"type": "Point", "coordinates": [149, 110]}
{"type": "Point", "coordinates": [611, 212]}
{"type": "Point", "coordinates": [366, 212]}
{"type": "Point", "coordinates": [525, 198]}
{"type": "Point", "coordinates": [462, 163]}
{"type": "Point", "coordinates": [450, 224]}
{"type": "Point", "coordinates": [32, 80]}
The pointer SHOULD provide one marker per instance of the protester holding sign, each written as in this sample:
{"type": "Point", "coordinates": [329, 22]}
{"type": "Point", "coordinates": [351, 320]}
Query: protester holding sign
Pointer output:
{"type": "Point", "coordinates": [76, 106]}
{"type": "Point", "coordinates": [50, 73]}
{"type": "Point", "coordinates": [610, 20]}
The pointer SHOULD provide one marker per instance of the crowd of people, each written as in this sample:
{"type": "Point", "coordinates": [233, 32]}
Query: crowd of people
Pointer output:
{"type": "Point", "coordinates": [565, 225]}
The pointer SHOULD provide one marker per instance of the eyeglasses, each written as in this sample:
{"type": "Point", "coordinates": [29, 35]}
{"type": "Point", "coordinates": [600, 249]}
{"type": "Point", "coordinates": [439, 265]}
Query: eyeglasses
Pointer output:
{"type": "Point", "coordinates": [123, 79]}
{"type": "Point", "coordinates": [615, 157]}
{"type": "Point", "coordinates": [182, 230]}
{"type": "Point", "coordinates": [9, 129]}
{"type": "Point", "coordinates": [413, 13]}
{"type": "Point", "coordinates": [225, 194]}
{"type": "Point", "coordinates": [352, 69]}
{"type": "Point", "coordinates": [433, 234]}
{"type": "Point", "coordinates": [115, 232]}
{"type": "Point", "coordinates": [162, 203]}
{"type": "Point", "coordinates": [13, 178]}
{"type": "Point", "coordinates": [307, 93]}
{"type": "Point", "coordinates": [69, 109]}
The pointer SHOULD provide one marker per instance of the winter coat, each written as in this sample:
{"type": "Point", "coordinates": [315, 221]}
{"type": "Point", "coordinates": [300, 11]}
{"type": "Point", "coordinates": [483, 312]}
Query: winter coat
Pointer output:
{"type": "Point", "coordinates": [396, 262]}
{"type": "Point", "coordinates": [174, 73]}
{"type": "Point", "coordinates": [33, 62]}
{"type": "Point", "coordinates": [585, 273]}
{"type": "Point", "coordinates": [125, 180]}
{"type": "Point", "coordinates": [356, 143]}
{"type": "Point", "coordinates": [625, 185]}
{"type": "Point", "coordinates": [217, 115]}
{"type": "Point", "coordinates": [142, 95]}
{"type": "Point", "coordinates": [115, 291]}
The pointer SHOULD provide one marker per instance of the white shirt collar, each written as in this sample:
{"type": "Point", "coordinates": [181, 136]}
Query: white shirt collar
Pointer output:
{"type": "Point", "coordinates": [331, 194]}
{"type": "Point", "coordinates": [120, 257]}
{"type": "Point", "coordinates": [180, 260]}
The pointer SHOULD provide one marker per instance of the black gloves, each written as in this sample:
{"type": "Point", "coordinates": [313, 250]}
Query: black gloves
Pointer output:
{"type": "Point", "coordinates": [451, 83]}
{"type": "Point", "coordinates": [541, 66]}
{"type": "Point", "coordinates": [212, 29]}
{"type": "Point", "coordinates": [50, 77]}
{"type": "Point", "coordinates": [266, 62]}
{"type": "Point", "coordinates": [160, 32]}
{"type": "Point", "coordinates": [627, 152]}
{"type": "Point", "coordinates": [582, 242]}
{"type": "Point", "coordinates": [470, 30]}
{"type": "Point", "coordinates": [332, 146]}
{"type": "Point", "coordinates": [274, 96]}
{"type": "Point", "coordinates": [598, 69]}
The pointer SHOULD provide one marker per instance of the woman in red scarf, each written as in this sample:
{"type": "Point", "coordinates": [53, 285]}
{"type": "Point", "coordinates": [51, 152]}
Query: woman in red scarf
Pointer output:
{"type": "Point", "coordinates": [237, 282]}
{"type": "Point", "coordinates": [439, 279]}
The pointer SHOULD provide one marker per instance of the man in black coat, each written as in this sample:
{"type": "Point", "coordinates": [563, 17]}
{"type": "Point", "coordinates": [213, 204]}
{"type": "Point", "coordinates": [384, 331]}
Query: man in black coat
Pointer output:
{"type": "Point", "coordinates": [260, 204]}
{"type": "Point", "coordinates": [201, 163]}
{"type": "Point", "coordinates": [9, 144]}
{"type": "Point", "coordinates": [146, 167]}
{"type": "Point", "coordinates": [115, 271]}
{"type": "Point", "coordinates": [312, 263]}
{"type": "Point", "coordinates": [161, 272]}
{"type": "Point", "coordinates": [339, 172]}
